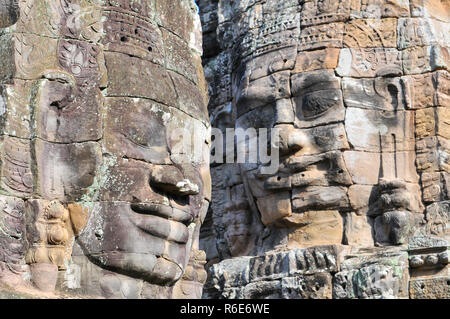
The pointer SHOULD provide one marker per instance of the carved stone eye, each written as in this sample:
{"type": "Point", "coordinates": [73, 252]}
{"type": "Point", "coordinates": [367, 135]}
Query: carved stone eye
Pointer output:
{"type": "Point", "coordinates": [138, 136]}
{"type": "Point", "coordinates": [149, 134]}
{"type": "Point", "coordinates": [317, 103]}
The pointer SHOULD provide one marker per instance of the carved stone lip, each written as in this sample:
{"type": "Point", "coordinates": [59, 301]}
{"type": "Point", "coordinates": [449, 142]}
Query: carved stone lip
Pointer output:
{"type": "Point", "coordinates": [164, 211]}
{"type": "Point", "coordinates": [238, 234]}
{"type": "Point", "coordinates": [169, 230]}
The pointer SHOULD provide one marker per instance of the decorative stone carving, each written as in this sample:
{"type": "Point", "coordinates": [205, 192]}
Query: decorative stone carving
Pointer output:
{"type": "Point", "coordinates": [13, 243]}
{"type": "Point", "coordinates": [100, 197]}
{"type": "Point", "coordinates": [17, 177]}
{"type": "Point", "coordinates": [374, 275]}
{"type": "Point", "coordinates": [322, 36]}
{"type": "Point", "coordinates": [369, 62]}
{"type": "Point", "coordinates": [425, 59]}
{"type": "Point", "coordinates": [297, 272]}
{"type": "Point", "coordinates": [371, 33]}
{"type": "Point", "coordinates": [428, 262]}
{"type": "Point", "coordinates": [321, 12]}
{"type": "Point", "coordinates": [422, 32]}
{"type": "Point", "coordinates": [379, 9]}
{"type": "Point", "coordinates": [316, 60]}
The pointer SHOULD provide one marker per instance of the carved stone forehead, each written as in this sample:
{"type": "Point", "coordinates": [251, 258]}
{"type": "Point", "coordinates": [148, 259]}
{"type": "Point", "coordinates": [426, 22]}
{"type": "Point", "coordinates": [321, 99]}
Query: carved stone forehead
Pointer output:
{"type": "Point", "coordinates": [258, 27]}
{"type": "Point", "coordinates": [82, 36]}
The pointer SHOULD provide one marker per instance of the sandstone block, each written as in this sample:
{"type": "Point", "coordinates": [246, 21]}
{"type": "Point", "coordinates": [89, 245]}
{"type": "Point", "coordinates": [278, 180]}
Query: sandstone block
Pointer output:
{"type": "Point", "coordinates": [422, 32]}
{"type": "Point", "coordinates": [133, 80]}
{"type": "Point", "coordinates": [371, 33]}
{"type": "Point", "coordinates": [69, 173]}
{"type": "Point", "coordinates": [17, 111]}
{"type": "Point", "coordinates": [251, 95]}
{"type": "Point", "coordinates": [380, 275]}
{"type": "Point", "coordinates": [316, 228]}
{"type": "Point", "coordinates": [315, 12]}
{"type": "Point", "coordinates": [358, 230]}
{"type": "Point", "coordinates": [317, 98]}
{"type": "Point", "coordinates": [322, 36]}
{"type": "Point", "coordinates": [317, 286]}
{"type": "Point", "coordinates": [59, 115]}
{"type": "Point", "coordinates": [425, 59]}
{"type": "Point", "coordinates": [180, 23]}
{"type": "Point", "coordinates": [432, 187]}
{"type": "Point", "coordinates": [431, 154]}
{"type": "Point", "coordinates": [39, 18]}
{"type": "Point", "coordinates": [179, 57]}
{"type": "Point", "coordinates": [379, 9]}
{"type": "Point", "coordinates": [380, 131]}
{"type": "Point", "coordinates": [420, 91]}
{"type": "Point", "coordinates": [365, 167]}
{"type": "Point", "coordinates": [35, 56]}
{"type": "Point", "coordinates": [132, 34]}
{"type": "Point", "coordinates": [318, 197]}
{"type": "Point", "coordinates": [385, 94]}
{"type": "Point", "coordinates": [269, 63]}
{"type": "Point", "coordinates": [437, 216]}
{"type": "Point", "coordinates": [16, 169]}
{"type": "Point", "coordinates": [316, 60]}
{"type": "Point", "coordinates": [13, 236]}
{"type": "Point", "coordinates": [274, 207]}
{"type": "Point", "coordinates": [360, 197]}
{"type": "Point", "coordinates": [429, 288]}
{"type": "Point", "coordinates": [369, 62]}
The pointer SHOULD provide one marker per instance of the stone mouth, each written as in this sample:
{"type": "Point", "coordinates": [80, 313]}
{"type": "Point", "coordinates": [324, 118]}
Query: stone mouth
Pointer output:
{"type": "Point", "coordinates": [161, 221]}
{"type": "Point", "coordinates": [176, 214]}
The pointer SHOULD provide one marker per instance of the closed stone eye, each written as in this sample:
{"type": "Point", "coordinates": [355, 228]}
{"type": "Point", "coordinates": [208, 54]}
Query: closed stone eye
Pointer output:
{"type": "Point", "coordinates": [315, 104]}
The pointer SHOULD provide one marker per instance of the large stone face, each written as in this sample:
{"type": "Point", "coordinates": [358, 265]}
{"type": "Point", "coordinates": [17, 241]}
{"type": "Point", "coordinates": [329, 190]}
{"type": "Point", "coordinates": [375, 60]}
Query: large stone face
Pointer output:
{"type": "Point", "coordinates": [359, 93]}
{"type": "Point", "coordinates": [104, 148]}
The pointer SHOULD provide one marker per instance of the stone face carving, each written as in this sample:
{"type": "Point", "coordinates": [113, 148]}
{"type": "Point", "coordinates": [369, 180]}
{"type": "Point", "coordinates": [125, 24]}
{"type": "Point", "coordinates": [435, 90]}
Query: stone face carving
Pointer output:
{"type": "Point", "coordinates": [358, 90]}
{"type": "Point", "coordinates": [100, 197]}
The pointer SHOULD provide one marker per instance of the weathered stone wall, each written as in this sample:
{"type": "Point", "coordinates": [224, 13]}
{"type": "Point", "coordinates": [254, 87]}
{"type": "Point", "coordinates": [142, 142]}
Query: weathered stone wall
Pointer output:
{"type": "Point", "coordinates": [360, 92]}
{"type": "Point", "coordinates": [96, 197]}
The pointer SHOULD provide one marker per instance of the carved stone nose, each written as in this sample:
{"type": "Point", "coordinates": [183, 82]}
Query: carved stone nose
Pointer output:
{"type": "Point", "coordinates": [170, 179]}
{"type": "Point", "coordinates": [291, 140]}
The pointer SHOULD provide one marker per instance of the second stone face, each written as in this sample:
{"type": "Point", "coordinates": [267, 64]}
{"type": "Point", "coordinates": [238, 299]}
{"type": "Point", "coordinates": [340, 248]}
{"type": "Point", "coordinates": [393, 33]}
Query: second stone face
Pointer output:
{"type": "Point", "coordinates": [358, 93]}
